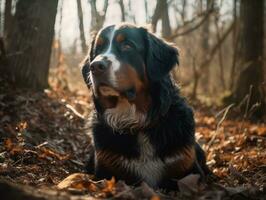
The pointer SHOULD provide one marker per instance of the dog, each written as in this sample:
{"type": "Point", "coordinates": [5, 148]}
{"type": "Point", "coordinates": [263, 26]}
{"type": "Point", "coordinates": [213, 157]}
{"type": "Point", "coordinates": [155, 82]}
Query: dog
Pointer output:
{"type": "Point", "coordinates": [142, 129]}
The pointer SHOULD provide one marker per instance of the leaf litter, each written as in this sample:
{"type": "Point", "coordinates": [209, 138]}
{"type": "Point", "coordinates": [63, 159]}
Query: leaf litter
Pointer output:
{"type": "Point", "coordinates": [44, 144]}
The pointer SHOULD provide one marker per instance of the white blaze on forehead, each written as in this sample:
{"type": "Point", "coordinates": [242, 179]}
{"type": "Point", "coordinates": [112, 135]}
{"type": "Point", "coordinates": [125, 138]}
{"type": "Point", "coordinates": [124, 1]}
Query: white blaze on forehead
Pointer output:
{"type": "Point", "coordinates": [115, 64]}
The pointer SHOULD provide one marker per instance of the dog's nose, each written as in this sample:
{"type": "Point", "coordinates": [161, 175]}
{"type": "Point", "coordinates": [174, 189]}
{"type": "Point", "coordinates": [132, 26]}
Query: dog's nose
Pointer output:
{"type": "Point", "coordinates": [99, 66]}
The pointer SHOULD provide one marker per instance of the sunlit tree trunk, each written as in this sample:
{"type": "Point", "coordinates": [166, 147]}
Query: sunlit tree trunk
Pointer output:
{"type": "Point", "coordinates": [29, 42]}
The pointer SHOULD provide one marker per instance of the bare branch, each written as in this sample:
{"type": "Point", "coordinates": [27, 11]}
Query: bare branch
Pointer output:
{"type": "Point", "coordinates": [217, 46]}
{"type": "Point", "coordinates": [178, 33]}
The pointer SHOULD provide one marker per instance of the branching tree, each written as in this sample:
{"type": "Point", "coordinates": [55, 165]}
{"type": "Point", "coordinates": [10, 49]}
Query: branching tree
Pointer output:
{"type": "Point", "coordinates": [29, 42]}
{"type": "Point", "coordinates": [161, 12]}
{"type": "Point", "coordinates": [97, 18]}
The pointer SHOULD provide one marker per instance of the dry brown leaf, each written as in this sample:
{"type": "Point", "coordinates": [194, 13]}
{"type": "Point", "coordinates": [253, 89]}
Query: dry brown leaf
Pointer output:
{"type": "Point", "coordinates": [78, 181]}
{"type": "Point", "coordinates": [50, 153]}
{"type": "Point", "coordinates": [155, 197]}
{"type": "Point", "coordinates": [110, 184]}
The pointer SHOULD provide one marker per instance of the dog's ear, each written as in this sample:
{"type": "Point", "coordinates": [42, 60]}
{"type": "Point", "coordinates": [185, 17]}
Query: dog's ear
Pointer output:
{"type": "Point", "coordinates": [85, 65]}
{"type": "Point", "coordinates": [161, 57]}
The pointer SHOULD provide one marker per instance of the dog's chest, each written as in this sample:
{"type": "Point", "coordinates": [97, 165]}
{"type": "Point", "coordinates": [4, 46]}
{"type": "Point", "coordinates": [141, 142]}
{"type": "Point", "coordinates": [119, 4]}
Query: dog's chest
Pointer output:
{"type": "Point", "coordinates": [148, 167]}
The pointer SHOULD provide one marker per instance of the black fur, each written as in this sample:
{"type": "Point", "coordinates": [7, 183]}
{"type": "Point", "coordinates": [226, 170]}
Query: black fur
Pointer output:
{"type": "Point", "coordinates": [160, 56]}
{"type": "Point", "coordinates": [171, 125]}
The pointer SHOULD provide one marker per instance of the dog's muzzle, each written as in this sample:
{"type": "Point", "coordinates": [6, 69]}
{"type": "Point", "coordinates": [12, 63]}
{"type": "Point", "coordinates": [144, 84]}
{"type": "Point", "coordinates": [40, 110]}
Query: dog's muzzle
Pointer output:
{"type": "Point", "coordinates": [99, 67]}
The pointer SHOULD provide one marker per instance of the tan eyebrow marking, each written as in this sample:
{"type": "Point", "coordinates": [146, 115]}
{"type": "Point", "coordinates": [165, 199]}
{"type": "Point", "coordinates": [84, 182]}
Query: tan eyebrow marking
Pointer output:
{"type": "Point", "coordinates": [120, 38]}
{"type": "Point", "coordinates": [99, 41]}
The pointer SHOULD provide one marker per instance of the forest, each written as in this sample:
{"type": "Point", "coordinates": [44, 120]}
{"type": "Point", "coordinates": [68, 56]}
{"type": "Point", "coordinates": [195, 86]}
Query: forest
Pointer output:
{"type": "Point", "coordinates": [45, 104]}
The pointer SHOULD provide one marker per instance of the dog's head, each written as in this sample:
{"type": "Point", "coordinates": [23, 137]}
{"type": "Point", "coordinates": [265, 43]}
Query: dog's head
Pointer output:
{"type": "Point", "coordinates": [124, 65]}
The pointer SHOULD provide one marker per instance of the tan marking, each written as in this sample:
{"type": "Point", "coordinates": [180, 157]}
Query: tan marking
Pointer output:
{"type": "Point", "coordinates": [148, 167]}
{"type": "Point", "coordinates": [120, 38]}
{"type": "Point", "coordinates": [181, 162]}
{"type": "Point", "coordinates": [108, 91]}
{"type": "Point", "coordinates": [126, 78]}
{"type": "Point", "coordinates": [99, 41]}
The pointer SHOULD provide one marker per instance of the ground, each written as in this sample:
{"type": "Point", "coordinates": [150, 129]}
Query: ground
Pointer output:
{"type": "Point", "coordinates": [43, 140]}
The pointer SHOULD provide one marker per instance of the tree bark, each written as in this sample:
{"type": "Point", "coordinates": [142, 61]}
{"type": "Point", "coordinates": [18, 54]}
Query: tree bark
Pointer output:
{"type": "Point", "coordinates": [251, 75]}
{"type": "Point", "coordinates": [235, 45]}
{"type": "Point", "coordinates": [161, 12]}
{"type": "Point", "coordinates": [29, 43]}
{"type": "Point", "coordinates": [7, 17]}
{"type": "Point", "coordinates": [81, 28]}
{"type": "Point", "coordinates": [166, 28]}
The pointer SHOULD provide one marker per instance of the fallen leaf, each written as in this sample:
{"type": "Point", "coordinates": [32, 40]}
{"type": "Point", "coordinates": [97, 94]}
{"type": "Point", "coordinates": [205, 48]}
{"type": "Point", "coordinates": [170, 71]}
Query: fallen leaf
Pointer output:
{"type": "Point", "coordinates": [78, 181]}
{"type": "Point", "coordinates": [110, 184]}
{"type": "Point", "coordinates": [8, 144]}
{"type": "Point", "coordinates": [50, 153]}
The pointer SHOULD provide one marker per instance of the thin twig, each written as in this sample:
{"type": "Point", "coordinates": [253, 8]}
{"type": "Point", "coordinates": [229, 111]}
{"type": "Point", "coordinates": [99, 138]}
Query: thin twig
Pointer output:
{"type": "Point", "coordinates": [189, 30]}
{"type": "Point", "coordinates": [218, 125]}
{"type": "Point", "coordinates": [75, 111]}
{"type": "Point", "coordinates": [247, 106]}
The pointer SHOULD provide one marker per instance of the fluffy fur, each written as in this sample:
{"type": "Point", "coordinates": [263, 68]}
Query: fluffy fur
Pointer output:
{"type": "Point", "coordinates": [144, 130]}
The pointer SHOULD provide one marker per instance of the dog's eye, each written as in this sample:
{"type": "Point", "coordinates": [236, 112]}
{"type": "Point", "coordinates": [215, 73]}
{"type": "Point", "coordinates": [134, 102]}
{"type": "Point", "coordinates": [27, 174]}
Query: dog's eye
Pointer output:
{"type": "Point", "coordinates": [126, 46]}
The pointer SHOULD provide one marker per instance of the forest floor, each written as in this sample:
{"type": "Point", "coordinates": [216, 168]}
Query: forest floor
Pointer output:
{"type": "Point", "coordinates": [43, 140]}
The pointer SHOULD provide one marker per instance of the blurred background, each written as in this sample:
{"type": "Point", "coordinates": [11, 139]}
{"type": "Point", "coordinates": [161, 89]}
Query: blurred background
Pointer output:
{"type": "Point", "coordinates": [221, 44]}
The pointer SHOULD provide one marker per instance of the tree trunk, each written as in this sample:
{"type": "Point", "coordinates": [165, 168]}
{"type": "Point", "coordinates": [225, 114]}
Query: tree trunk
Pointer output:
{"type": "Point", "coordinates": [220, 54]}
{"type": "Point", "coordinates": [97, 19]}
{"type": "Point", "coordinates": [161, 12]}
{"type": "Point", "coordinates": [205, 78]}
{"type": "Point", "coordinates": [146, 11]}
{"type": "Point", "coordinates": [132, 15]}
{"type": "Point", "coordinates": [29, 43]}
{"type": "Point", "coordinates": [251, 76]}
{"type": "Point", "coordinates": [166, 28]}
{"type": "Point", "coordinates": [156, 15]}
{"type": "Point", "coordinates": [235, 45]}
{"type": "Point", "coordinates": [122, 7]}
{"type": "Point", "coordinates": [81, 28]}
{"type": "Point", "coordinates": [7, 17]}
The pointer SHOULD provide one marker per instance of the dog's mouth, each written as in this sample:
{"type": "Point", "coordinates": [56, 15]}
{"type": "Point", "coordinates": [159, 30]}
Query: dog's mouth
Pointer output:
{"type": "Point", "coordinates": [106, 91]}
{"type": "Point", "coordinates": [111, 92]}
{"type": "Point", "coordinates": [110, 96]}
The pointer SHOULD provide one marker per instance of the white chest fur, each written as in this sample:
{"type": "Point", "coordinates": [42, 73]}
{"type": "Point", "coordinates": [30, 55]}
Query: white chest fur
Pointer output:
{"type": "Point", "coordinates": [148, 167]}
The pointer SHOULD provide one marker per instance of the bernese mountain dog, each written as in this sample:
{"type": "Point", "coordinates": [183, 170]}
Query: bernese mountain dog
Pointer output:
{"type": "Point", "coordinates": [142, 129]}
